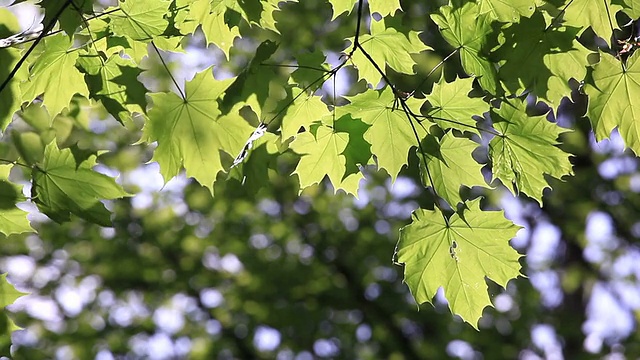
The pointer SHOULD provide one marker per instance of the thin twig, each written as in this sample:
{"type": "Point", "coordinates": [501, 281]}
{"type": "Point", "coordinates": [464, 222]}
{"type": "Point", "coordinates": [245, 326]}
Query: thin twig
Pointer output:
{"type": "Point", "coordinates": [46, 29]}
{"type": "Point", "coordinates": [86, 24]}
{"type": "Point", "coordinates": [182, 95]}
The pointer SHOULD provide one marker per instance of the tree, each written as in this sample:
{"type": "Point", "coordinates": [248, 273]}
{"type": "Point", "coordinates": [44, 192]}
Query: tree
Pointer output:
{"type": "Point", "coordinates": [269, 134]}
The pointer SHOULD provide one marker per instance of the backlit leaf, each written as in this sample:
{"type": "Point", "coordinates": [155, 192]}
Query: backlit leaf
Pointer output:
{"type": "Point", "coordinates": [390, 134]}
{"type": "Point", "coordinates": [192, 132]}
{"type": "Point", "coordinates": [613, 99]}
{"type": "Point", "coordinates": [140, 20]}
{"type": "Point", "coordinates": [552, 56]}
{"type": "Point", "coordinates": [61, 187]}
{"type": "Point", "coordinates": [386, 46]}
{"type": "Point", "coordinates": [305, 110]}
{"type": "Point", "coordinates": [600, 15]}
{"type": "Point", "coordinates": [451, 106]}
{"type": "Point", "coordinates": [525, 151]}
{"type": "Point", "coordinates": [55, 74]}
{"type": "Point", "coordinates": [467, 31]}
{"type": "Point", "coordinates": [458, 255]}
{"type": "Point", "coordinates": [211, 18]}
{"type": "Point", "coordinates": [322, 155]}
{"type": "Point", "coordinates": [450, 165]}
{"type": "Point", "coordinates": [507, 10]}
{"type": "Point", "coordinates": [12, 219]}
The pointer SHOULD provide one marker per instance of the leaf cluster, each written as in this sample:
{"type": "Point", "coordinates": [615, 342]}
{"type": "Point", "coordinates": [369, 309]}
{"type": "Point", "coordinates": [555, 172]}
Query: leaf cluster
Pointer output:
{"type": "Point", "coordinates": [234, 128]}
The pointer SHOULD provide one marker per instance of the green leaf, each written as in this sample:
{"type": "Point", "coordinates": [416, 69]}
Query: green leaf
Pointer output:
{"type": "Point", "coordinates": [304, 111]}
{"type": "Point", "coordinates": [311, 67]}
{"type": "Point", "coordinates": [54, 73]}
{"type": "Point", "coordinates": [467, 30]}
{"type": "Point", "coordinates": [12, 219]}
{"type": "Point", "coordinates": [384, 7]}
{"type": "Point", "coordinates": [451, 106]}
{"type": "Point", "coordinates": [117, 87]}
{"type": "Point", "coordinates": [391, 135]}
{"type": "Point", "coordinates": [140, 20]}
{"type": "Point", "coordinates": [211, 17]}
{"type": "Point", "coordinates": [70, 19]}
{"type": "Point", "coordinates": [61, 187]}
{"type": "Point", "coordinates": [630, 7]}
{"type": "Point", "coordinates": [322, 156]}
{"type": "Point", "coordinates": [192, 133]}
{"type": "Point", "coordinates": [258, 12]}
{"type": "Point", "coordinates": [10, 95]}
{"type": "Point", "coordinates": [585, 13]}
{"type": "Point", "coordinates": [526, 150]}
{"type": "Point", "coordinates": [386, 46]}
{"type": "Point", "coordinates": [450, 165]}
{"type": "Point", "coordinates": [552, 56]}
{"type": "Point", "coordinates": [613, 99]}
{"type": "Point", "coordinates": [8, 295]}
{"type": "Point", "coordinates": [507, 11]}
{"type": "Point", "coordinates": [358, 150]}
{"type": "Point", "coordinates": [341, 6]}
{"type": "Point", "coordinates": [254, 79]}
{"type": "Point", "coordinates": [458, 255]}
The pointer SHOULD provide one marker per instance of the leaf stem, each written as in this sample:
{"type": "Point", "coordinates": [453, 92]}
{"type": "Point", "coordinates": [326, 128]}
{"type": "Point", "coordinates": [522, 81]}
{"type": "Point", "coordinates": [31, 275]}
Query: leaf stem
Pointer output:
{"type": "Point", "coordinates": [84, 21]}
{"type": "Point", "coordinates": [182, 95]}
{"type": "Point", "coordinates": [13, 162]}
{"type": "Point", "coordinates": [434, 70]}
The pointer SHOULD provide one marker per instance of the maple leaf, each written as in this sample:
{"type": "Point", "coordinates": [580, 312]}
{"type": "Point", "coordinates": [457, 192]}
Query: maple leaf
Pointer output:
{"type": "Point", "coordinates": [252, 85]}
{"type": "Point", "coordinates": [552, 56]}
{"type": "Point", "coordinates": [9, 96]}
{"type": "Point", "coordinates": [384, 7]}
{"type": "Point", "coordinates": [358, 150]}
{"type": "Point", "coordinates": [614, 90]}
{"type": "Point", "coordinates": [526, 150]}
{"type": "Point", "coordinates": [12, 219]}
{"type": "Point", "coordinates": [311, 66]}
{"type": "Point", "coordinates": [55, 75]}
{"type": "Point", "coordinates": [458, 255]}
{"type": "Point", "coordinates": [258, 12]}
{"type": "Point", "coordinates": [304, 111]}
{"type": "Point", "coordinates": [630, 7]}
{"type": "Point", "coordinates": [8, 295]}
{"type": "Point", "coordinates": [585, 13]}
{"type": "Point", "coordinates": [341, 6]}
{"type": "Point", "coordinates": [386, 46]}
{"type": "Point", "coordinates": [70, 19]}
{"type": "Point", "coordinates": [322, 156]}
{"type": "Point", "coordinates": [450, 165]}
{"type": "Point", "coordinates": [507, 11]}
{"type": "Point", "coordinates": [192, 133]}
{"type": "Point", "coordinates": [390, 134]}
{"type": "Point", "coordinates": [140, 20]}
{"type": "Point", "coordinates": [116, 85]}
{"type": "Point", "coordinates": [211, 18]}
{"type": "Point", "coordinates": [451, 106]}
{"type": "Point", "coordinates": [466, 29]}
{"type": "Point", "coordinates": [61, 187]}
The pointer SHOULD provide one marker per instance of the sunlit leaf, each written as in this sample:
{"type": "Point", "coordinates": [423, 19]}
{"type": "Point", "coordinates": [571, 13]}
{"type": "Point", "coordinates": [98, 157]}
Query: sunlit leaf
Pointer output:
{"type": "Point", "coordinates": [458, 254]}
{"type": "Point", "coordinates": [55, 74]}
{"type": "Point", "coordinates": [613, 99]}
{"type": "Point", "coordinates": [526, 150]}
{"type": "Point", "coordinates": [390, 134]}
{"type": "Point", "coordinates": [192, 132]}
{"type": "Point", "coordinates": [62, 187]}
